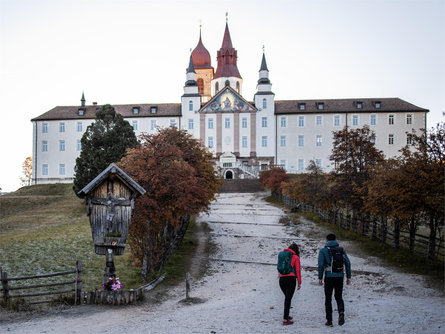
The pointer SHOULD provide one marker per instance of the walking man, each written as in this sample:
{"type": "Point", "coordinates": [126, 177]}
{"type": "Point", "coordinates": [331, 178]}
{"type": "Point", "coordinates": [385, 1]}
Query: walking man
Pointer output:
{"type": "Point", "coordinates": [332, 260]}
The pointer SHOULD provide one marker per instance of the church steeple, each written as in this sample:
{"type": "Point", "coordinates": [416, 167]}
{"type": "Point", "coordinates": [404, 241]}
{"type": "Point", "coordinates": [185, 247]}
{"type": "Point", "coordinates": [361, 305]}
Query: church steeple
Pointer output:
{"type": "Point", "coordinates": [227, 70]}
{"type": "Point", "coordinates": [82, 100]}
{"type": "Point", "coordinates": [191, 86]}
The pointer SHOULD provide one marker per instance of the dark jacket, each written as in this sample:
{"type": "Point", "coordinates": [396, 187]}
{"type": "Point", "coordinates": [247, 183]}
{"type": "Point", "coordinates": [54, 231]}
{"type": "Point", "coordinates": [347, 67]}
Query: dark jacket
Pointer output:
{"type": "Point", "coordinates": [324, 262]}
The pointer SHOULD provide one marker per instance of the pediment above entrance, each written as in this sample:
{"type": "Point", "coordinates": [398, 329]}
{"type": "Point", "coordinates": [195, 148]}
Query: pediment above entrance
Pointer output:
{"type": "Point", "coordinates": [228, 100]}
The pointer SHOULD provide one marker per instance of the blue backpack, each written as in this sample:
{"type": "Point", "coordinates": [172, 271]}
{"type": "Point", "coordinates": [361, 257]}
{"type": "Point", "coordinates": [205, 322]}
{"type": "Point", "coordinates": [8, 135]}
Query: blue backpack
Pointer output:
{"type": "Point", "coordinates": [284, 263]}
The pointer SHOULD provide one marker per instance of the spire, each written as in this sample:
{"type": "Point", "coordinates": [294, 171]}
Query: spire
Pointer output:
{"type": "Point", "coordinates": [263, 62]}
{"type": "Point", "coordinates": [227, 57]}
{"type": "Point", "coordinates": [191, 68]}
{"type": "Point", "coordinates": [82, 100]}
{"type": "Point", "coordinates": [201, 57]}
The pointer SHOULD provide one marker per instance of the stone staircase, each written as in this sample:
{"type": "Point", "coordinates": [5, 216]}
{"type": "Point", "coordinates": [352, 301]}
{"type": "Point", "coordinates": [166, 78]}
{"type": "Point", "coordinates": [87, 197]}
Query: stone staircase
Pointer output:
{"type": "Point", "coordinates": [241, 186]}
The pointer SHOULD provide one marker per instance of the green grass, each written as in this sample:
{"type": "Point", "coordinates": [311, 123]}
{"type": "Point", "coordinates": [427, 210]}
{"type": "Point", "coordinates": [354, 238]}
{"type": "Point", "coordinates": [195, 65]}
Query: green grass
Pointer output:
{"type": "Point", "coordinates": [44, 228]}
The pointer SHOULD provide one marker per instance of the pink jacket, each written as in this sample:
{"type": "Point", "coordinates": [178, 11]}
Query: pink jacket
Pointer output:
{"type": "Point", "coordinates": [296, 264]}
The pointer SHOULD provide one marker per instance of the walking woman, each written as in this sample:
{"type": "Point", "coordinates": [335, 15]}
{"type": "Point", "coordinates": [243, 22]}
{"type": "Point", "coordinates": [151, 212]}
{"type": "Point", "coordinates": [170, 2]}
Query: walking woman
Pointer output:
{"type": "Point", "coordinates": [290, 272]}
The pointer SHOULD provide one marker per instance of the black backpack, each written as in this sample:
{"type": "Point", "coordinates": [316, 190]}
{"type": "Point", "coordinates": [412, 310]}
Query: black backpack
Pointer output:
{"type": "Point", "coordinates": [337, 259]}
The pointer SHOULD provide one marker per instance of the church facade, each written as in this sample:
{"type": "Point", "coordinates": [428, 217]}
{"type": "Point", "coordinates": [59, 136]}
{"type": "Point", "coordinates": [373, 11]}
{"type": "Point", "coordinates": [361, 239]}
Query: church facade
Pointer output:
{"type": "Point", "coordinates": [244, 136]}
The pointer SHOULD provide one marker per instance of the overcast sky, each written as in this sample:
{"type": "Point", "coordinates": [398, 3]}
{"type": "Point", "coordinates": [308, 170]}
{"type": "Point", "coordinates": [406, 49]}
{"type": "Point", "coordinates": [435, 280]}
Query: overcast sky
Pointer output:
{"type": "Point", "coordinates": [137, 51]}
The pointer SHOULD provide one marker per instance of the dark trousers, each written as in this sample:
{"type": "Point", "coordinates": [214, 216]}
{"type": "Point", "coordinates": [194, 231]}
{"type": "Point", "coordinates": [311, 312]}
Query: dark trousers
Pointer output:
{"type": "Point", "coordinates": [333, 284]}
{"type": "Point", "coordinates": [287, 285]}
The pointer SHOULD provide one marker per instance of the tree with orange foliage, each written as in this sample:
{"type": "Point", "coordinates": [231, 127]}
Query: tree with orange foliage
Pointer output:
{"type": "Point", "coordinates": [27, 172]}
{"type": "Point", "coordinates": [272, 179]}
{"type": "Point", "coordinates": [178, 174]}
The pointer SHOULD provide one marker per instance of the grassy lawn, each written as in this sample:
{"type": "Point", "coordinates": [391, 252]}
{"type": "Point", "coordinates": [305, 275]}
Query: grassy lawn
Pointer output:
{"type": "Point", "coordinates": [44, 228]}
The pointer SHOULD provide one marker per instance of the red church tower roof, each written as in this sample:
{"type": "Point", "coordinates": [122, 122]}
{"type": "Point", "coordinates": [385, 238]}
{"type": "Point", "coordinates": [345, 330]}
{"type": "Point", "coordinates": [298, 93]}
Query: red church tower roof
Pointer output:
{"type": "Point", "coordinates": [200, 55]}
{"type": "Point", "coordinates": [226, 57]}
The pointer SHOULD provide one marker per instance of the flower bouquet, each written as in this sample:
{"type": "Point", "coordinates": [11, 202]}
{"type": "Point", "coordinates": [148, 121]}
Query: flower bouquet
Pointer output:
{"type": "Point", "coordinates": [112, 284]}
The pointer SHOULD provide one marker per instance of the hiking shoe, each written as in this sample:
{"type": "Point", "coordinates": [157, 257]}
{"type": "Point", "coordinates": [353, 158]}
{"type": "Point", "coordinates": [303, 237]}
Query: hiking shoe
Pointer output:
{"type": "Point", "coordinates": [329, 324]}
{"type": "Point", "coordinates": [341, 319]}
{"type": "Point", "coordinates": [287, 322]}
{"type": "Point", "coordinates": [290, 318]}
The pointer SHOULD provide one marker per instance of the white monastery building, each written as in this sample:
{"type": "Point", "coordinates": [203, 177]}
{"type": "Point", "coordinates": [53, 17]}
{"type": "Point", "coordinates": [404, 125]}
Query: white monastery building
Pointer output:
{"type": "Point", "coordinates": [244, 136]}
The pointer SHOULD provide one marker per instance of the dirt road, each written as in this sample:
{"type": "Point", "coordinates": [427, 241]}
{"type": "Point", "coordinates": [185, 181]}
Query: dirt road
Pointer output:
{"type": "Point", "coordinates": [239, 297]}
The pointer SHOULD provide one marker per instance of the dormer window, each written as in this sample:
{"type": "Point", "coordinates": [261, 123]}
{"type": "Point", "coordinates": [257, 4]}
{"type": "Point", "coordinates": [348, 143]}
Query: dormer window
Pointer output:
{"type": "Point", "coordinates": [81, 112]}
{"type": "Point", "coordinates": [135, 110]}
{"type": "Point", "coordinates": [359, 105]}
{"type": "Point", "coordinates": [377, 105]}
{"type": "Point", "coordinates": [302, 106]}
{"type": "Point", "coordinates": [320, 106]}
{"type": "Point", "coordinates": [153, 110]}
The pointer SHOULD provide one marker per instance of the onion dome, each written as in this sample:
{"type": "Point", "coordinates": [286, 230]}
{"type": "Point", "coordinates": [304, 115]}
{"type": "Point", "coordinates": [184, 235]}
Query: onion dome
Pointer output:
{"type": "Point", "coordinates": [200, 55]}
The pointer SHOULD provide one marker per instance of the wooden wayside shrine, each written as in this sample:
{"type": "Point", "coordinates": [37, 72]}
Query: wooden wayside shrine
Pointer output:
{"type": "Point", "coordinates": [110, 205]}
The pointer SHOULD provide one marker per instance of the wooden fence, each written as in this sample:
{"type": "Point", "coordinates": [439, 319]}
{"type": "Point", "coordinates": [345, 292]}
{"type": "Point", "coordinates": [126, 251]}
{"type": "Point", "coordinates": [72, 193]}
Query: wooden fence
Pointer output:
{"type": "Point", "coordinates": [369, 228]}
{"type": "Point", "coordinates": [7, 287]}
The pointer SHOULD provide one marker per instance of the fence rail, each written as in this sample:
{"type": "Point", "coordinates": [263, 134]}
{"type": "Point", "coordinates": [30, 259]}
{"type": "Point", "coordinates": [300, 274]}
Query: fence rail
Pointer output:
{"type": "Point", "coordinates": [76, 283]}
{"type": "Point", "coordinates": [370, 228]}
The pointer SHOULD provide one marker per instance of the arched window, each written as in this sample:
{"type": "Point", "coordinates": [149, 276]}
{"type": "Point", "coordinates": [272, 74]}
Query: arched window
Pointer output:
{"type": "Point", "coordinates": [200, 86]}
{"type": "Point", "coordinates": [216, 87]}
{"type": "Point", "coordinates": [237, 86]}
{"type": "Point", "coordinates": [264, 103]}
{"type": "Point", "coordinates": [190, 105]}
{"type": "Point", "coordinates": [227, 83]}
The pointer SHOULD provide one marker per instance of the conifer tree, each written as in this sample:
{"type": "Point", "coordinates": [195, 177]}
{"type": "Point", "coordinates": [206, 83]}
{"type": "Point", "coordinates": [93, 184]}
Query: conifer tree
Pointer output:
{"type": "Point", "coordinates": [105, 141]}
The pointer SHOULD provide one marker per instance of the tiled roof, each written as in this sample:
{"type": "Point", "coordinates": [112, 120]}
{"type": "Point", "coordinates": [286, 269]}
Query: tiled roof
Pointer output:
{"type": "Point", "coordinates": [345, 105]}
{"type": "Point", "coordinates": [126, 110]}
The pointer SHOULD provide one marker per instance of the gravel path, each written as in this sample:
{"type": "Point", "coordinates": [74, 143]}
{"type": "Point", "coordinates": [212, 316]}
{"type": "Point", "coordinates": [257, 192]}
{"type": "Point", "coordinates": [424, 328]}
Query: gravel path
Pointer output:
{"type": "Point", "coordinates": [238, 297]}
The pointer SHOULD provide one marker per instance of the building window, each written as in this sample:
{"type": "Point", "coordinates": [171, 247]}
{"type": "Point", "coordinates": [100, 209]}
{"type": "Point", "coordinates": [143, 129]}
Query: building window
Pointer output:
{"type": "Point", "coordinates": [62, 169]}
{"type": "Point", "coordinates": [409, 140]}
{"type": "Point", "coordinates": [244, 123]}
{"type": "Point", "coordinates": [283, 122]}
{"type": "Point", "coordinates": [238, 87]}
{"type": "Point", "coordinates": [359, 105]}
{"type": "Point", "coordinates": [283, 163]}
{"type": "Point", "coordinates": [79, 127]}
{"type": "Point", "coordinates": [79, 145]}
{"type": "Point", "coordinates": [44, 169]}
{"type": "Point", "coordinates": [318, 140]}
{"type": "Point", "coordinates": [300, 164]}
{"type": "Point", "coordinates": [409, 119]}
{"type": "Point", "coordinates": [44, 146]}
{"type": "Point", "coordinates": [190, 105]}
{"type": "Point", "coordinates": [264, 103]}
{"type": "Point", "coordinates": [172, 122]}
{"type": "Point", "coordinates": [264, 141]}
{"type": "Point", "coordinates": [153, 124]}
{"type": "Point", "coordinates": [373, 120]}
{"type": "Point", "coordinates": [283, 141]}
{"type": "Point", "coordinates": [320, 106]}
{"type": "Point", "coordinates": [190, 124]}
{"type": "Point", "coordinates": [135, 125]}
{"type": "Point", "coordinates": [318, 163]}
{"type": "Point", "coordinates": [319, 120]}
{"type": "Point", "coordinates": [391, 119]}
{"type": "Point", "coordinates": [210, 142]}
{"type": "Point", "coordinates": [135, 110]}
{"type": "Point", "coordinates": [300, 140]}
{"type": "Point", "coordinates": [391, 139]}
{"type": "Point", "coordinates": [244, 142]}
{"type": "Point", "coordinates": [210, 123]}
{"type": "Point", "coordinates": [227, 123]}
{"type": "Point", "coordinates": [264, 122]}
{"type": "Point", "coordinates": [302, 106]}
{"type": "Point", "coordinates": [153, 110]}
{"type": "Point", "coordinates": [61, 145]}
{"type": "Point", "coordinates": [44, 127]}
{"type": "Point", "coordinates": [61, 127]}
{"type": "Point", "coordinates": [377, 105]}
{"type": "Point", "coordinates": [337, 120]}
{"type": "Point", "coordinates": [372, 140]}
{"type": "Point", "coordinates": [355, 120]}
{"type": "Point", "coordinates": [81, 112]}
{"type": "Point", "coordinates": [216, 87]}
{"type": "Point", "coordinates": [300, 121]}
